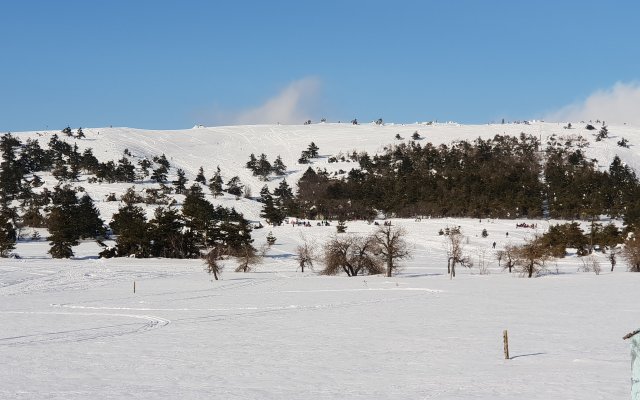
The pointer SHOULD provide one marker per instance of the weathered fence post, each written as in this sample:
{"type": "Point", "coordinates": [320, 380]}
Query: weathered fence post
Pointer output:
{"type": "Point", "coordinates": [505, 339]}
{"type": "Point", "coordinates": [635, 363]}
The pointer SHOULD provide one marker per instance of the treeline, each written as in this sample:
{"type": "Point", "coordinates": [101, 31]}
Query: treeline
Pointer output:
{"type": "Point", "coordinates": [503, 177]}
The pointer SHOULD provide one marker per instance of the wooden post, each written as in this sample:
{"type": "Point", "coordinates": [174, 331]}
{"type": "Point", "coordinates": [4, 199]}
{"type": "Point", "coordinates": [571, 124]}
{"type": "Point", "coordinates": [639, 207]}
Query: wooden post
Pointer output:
{"type": "Point", "coordinates": [134, 288]}
{"type": "Point", "coordinates": [505, 339]}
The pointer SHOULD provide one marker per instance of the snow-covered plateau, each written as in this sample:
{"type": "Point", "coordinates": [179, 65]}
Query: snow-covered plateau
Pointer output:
{"type": "Point", "coordinates": [75, 328]}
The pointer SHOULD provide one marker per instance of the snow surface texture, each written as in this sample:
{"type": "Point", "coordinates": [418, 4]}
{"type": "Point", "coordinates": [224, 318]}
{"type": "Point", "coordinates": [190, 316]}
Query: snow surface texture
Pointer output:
{"type": "Point", "coordinates": [74, 329]}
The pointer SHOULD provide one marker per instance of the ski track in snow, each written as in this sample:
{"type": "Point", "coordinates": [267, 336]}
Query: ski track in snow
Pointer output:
{"type": "Point", "coordinates": [86, 334]}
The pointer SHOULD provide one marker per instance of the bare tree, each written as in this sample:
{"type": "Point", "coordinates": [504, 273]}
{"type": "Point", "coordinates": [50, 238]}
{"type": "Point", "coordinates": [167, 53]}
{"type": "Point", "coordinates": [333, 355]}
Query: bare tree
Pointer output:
{"type": "Point", "coordinates": [455, 253]}
{"type": "Point", "coordinates": [508, 256]}
{"type": "Point", "coordinates": [212, 262]}
{"type": "Point", "coordinates": [631, 253]}
{"type": "Point", "coordinates": [391, 246]}
{"type": "Point", "coordinates": [306, 253]}
{"type": "Point", "coordinates": [352, 254]}
{"type": "Point", "coordinates": [530, 258]}
{"type": "Point", "coordinates": [247, 257]}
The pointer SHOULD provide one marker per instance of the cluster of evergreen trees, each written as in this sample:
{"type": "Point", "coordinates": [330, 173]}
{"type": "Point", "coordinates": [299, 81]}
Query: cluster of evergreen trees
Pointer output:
{"type": "Point", "coordinates": [263, 168]}
{"type": "Point", "coordinates": [70, 215]}
{"type": "Point", "coordinates": [503, 177]}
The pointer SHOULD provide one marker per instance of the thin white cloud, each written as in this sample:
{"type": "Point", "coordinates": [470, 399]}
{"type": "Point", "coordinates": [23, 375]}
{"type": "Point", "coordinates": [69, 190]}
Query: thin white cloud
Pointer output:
{"type": "Point", "coordinates": [293, 105]}
{"type": "Point", "coordinates": [619, 104]}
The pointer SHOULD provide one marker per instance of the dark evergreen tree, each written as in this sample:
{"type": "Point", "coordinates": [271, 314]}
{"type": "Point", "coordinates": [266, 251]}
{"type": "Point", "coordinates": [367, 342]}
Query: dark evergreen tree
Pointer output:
{"type": "Point", "coordinates": [264, 192]}
{"type": "Point", "coordinates": [132, 230]}
{"type": "Point", "coordinates": [278, 166]}
{"type": "Point", "coordinates": [79, 133]}
{"type": "Point", "coordinates": [263, 168]}
{"type": "Point", "coordinates": [145, 164]}
{"type": "Point", "coordinates": [199, 215]}
{"type": "Point", "coordinates": [167, 237]}
{"type": "Point", "coordinates": [234, 186]}
{"type": "Point", "coordinates": [200, 178]}
{"type": "Point", "coordinates": [7, 236]}
{"type": "Point", "coordinates": [61, 171]}
{"type": "Point", "coordinates": [180, 181]}
{"type": "Point", "coordinates": [313, 150]}
{"type": "Point", "coordinates": [67, 131]}
{"type": "Point", "coordinates": [270, 212]}
{"type": "Point", "coordinates": [89, 162]}
{"type": "Point", "coordinates": [33, 158]}
{"type": "Point", "coordinates": [252, 164]}
{"type": "Point", "coordinates": [62, 223]}
{"type": "Point", "coordinates": [215, 183]}
{"type": "Point", "coordinates": [87, 219]}
{"type": "Point", "coordinates": [125, 171]}
{"type": "Point", "coordinates": [159, 174]}
{"type": "Point", "coordinates": [75, 160]}
{"type": "Point", "coordinates": [11, 172]}
{"type": "Point", "coordinates": [162, 161]}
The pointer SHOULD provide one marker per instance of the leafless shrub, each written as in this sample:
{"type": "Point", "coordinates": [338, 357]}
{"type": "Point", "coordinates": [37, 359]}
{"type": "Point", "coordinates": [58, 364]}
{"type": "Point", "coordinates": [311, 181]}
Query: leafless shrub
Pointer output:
{"type": "Point", "coordinates": [530, 258]}
{"type": "Point", "coordinates": [483, 265]}
{"type": "Point", "coordinates": [306, 253]}
{"type": "Point", "coordinates": [248, 258]}
{"type": "Point", "coordinates": [352, 254]}
{"type": "Point", "coordinates": [590, 264]}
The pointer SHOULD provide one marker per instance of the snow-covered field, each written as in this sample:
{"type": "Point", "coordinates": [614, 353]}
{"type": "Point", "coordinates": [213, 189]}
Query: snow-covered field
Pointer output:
{"type": "Point", "coordinates": [74, 329]}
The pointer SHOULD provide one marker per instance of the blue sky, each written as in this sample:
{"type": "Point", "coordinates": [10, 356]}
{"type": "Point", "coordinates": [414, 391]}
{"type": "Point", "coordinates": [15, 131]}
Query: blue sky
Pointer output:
{"type": "Point", "coordinates": [173, 64]}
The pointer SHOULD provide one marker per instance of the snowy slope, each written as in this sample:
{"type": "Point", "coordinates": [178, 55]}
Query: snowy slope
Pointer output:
{"type": "Point", "coordinates": [74, 329]}
{"type": "Point", "coordinates": [229, 147]}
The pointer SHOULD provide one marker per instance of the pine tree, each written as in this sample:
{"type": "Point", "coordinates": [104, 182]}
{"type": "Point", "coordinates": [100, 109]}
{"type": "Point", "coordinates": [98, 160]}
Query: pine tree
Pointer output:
{"type": "Point", "coordinates": [79, 133]}
{"type": "Point", "coordinates": [263, 168]}
{"type": "Point", "coordinates": [33, 158]}
{"type": "Point", "coordinates": [252, 164]}
{"type": "Point", "coordinates": [125, 171]}
{"type": "Point", "coordinates": [313, 150]}
{"type": "Point", "coordinates": [278, 167]}
{"type": "Point", "coordinates": [60, 171]}
{"type": "Point", "coordinates": [200, 178]}
{"type": "Point", "coordinates": [159, 174]}
{"type": "Point", "coordinates": [11, 173]}
{"type": "Point", "coordinates": [61, 223]}
{"type": "Point", "coordinates": [74, 163]}
{"type": "Point", "coordinates": [87, 218]}
{"type": "Point", "coordinates": [270, 212]}
{"type": "Point", "coordinates": [180, 181]}
{"type": "Point", "coordinates": [132, 230]}
{"type": "Point", "coordinates": [215, 183]}
{"type": "Point", "coordinates": [198, 214]}
{"type": "Point", "coordinates": [167, 238]}
{"type": "Point", "coordinates": [7, 236]}
{"type": "Point", "coordinates": [144, 164]}
{"type": "Point", "coordinates": [264, 192]}
{"type": "Point", "coordinates": [234, 187]}
{"type": "Point", "coordinates": [89, 162]}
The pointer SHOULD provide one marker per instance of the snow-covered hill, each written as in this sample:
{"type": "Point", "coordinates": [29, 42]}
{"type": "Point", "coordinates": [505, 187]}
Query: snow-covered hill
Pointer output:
{"type": "Point", "coordinates": [230, 147]}
{"type": "Point", "coordinates": [74, 329]}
